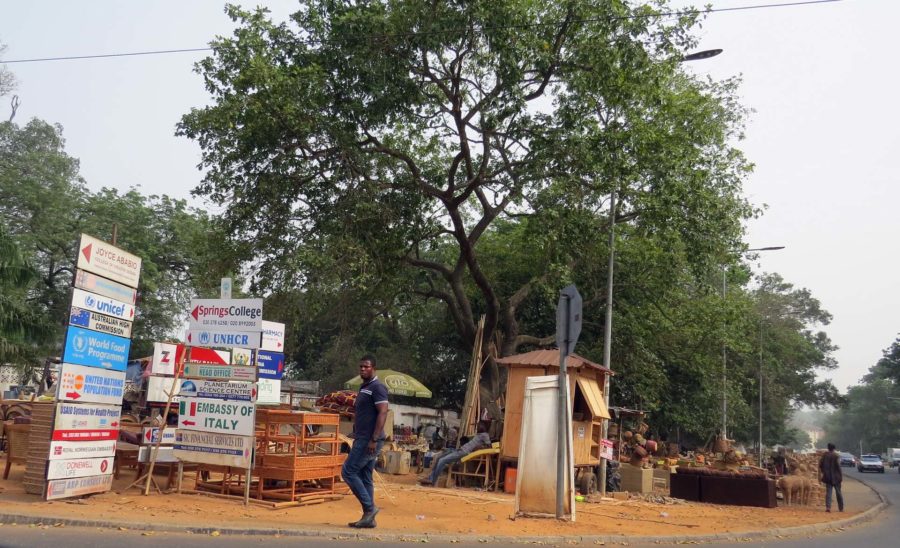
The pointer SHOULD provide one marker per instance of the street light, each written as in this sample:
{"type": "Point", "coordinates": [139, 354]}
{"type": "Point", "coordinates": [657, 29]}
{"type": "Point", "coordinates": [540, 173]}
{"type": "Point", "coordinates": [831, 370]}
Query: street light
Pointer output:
{"type": "Point", "coordinates": [607, 328]}
{"type": "Point", "coordinates": [725, 345]}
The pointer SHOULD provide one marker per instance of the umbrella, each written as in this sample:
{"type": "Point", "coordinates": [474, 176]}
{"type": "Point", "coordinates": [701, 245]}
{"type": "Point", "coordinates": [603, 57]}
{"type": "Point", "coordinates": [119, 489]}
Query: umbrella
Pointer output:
{"type": "Point", "coordinates": [397, 383]}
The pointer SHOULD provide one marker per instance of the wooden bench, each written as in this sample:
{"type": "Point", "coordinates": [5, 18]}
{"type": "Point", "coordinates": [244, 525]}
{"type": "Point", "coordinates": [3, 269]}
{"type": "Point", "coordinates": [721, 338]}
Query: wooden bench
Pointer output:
{"type": "Point", "coordinates": [483, 464]}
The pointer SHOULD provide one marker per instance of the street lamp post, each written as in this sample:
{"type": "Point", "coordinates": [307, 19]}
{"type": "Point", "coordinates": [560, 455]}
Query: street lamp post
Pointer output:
{"type": "Point", "coordinates": [725, 350]}
{"type": "Point", "coordinates": [607, 330]}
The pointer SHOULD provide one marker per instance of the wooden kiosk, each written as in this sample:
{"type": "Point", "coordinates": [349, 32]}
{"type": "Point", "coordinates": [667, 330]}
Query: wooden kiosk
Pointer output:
{"type": "Point", "coordinates": [589, 410]}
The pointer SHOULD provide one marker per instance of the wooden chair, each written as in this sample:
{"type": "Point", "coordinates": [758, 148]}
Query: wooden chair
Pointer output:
{"type": "Point", "coordinates": [17, 445]}
{"type": "Point", "coordinates": [483, 464]}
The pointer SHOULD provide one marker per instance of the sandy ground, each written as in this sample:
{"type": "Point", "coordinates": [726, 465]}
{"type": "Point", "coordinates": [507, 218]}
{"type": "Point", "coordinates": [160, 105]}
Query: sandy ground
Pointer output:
{"type": "Point", "coordinates": [408, 508]}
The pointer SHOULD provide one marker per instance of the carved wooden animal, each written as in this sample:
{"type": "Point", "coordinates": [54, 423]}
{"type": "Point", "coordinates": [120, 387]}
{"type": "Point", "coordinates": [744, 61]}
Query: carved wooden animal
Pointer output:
{"type": "Point", "coordinates": [796, 489]}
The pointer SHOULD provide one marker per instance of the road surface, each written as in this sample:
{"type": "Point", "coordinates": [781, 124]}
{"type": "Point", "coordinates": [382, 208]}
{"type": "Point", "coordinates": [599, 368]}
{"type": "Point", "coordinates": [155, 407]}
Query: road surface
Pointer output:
{"type": "Point", "coordinates": [884, 531]}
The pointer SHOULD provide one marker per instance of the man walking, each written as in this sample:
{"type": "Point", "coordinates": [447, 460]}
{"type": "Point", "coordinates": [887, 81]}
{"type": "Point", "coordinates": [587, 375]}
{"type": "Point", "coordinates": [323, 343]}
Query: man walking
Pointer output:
{"type": "Point", "coordinates": [481, 440]}
{"type": "Point", "coordinates": [830, 474]}
{"type": "Point", "coordinates": [368, 438]}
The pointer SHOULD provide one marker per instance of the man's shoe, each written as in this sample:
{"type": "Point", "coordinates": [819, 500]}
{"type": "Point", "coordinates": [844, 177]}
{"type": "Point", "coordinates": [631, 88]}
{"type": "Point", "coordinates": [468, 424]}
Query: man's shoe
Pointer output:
{"type": "Point", "coordinates": [368, 519]}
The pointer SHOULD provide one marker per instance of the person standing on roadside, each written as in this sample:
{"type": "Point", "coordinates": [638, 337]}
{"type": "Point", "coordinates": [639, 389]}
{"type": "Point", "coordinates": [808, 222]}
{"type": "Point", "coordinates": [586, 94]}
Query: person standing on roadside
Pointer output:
{"type": "Point", "coordinates": [830, 474]}
{"type": "Point", "coordinates": [368, 437]}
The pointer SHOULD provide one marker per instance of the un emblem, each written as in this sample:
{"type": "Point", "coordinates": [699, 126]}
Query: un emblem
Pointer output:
{"type": "Point", "coordinates": [79, 343]}
{"type": "Point", "coordinates": [204, 338]}
{"type": "Point", "coordinates": [89, 301]}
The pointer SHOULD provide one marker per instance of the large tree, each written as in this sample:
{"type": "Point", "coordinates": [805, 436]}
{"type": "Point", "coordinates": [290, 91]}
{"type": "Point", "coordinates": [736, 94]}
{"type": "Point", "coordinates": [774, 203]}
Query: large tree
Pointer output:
{"type": "Point", "coordinates": [45, 205]}
{"type": "Point", "coordinates": [373, 146]}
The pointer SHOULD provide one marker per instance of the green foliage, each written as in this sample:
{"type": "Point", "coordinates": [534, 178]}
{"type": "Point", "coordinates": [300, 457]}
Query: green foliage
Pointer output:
{"type": "Point", "coordinates": [870, 416]}
{"type": "Point", "coordinates": [403, 168]}
{"type": "Point", "coordinates": [22, 328]}
{"type": "Point", "coordinates": [45, 205]}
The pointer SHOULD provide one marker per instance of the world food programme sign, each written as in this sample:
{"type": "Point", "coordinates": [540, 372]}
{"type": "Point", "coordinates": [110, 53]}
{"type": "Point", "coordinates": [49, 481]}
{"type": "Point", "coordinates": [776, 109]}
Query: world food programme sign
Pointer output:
{"type": "Point", "coordinates": [93, 349]}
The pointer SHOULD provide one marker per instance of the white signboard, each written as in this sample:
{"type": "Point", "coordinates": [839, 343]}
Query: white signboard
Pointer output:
{"type": "Point", "coordinates": [103, 305]}
{"type": "Point", "coordinates": [219, 372]}
{"type": "Point", "coordinates": [60, 450]}
{"type": "Point", "coordinates": [108, 261]}
{"type": "Point", "coordinates": [272, 336]}
{"type": "Point", "coordinates": [90, 384]}
{"type": "Point", "coordinates": [60, 489]}
{"type": "Point", "coordinates": [149, 434]}
{"type": "Point", "coordinates": [219, 390]}
{"type": "Point", "coordinates": [165, 357]}
{"type": "Point", "coordinates": [86, 416]}
{"type": "Point", "coordinates": [223, 339]}
{"type": "Point", "coordinates": [164, 454]}
{"type": "Point", "coordinates": [221, 315]}
{"type": "Point", "coordinates": [158, 389]}
{"type": "Point", "coordinates": [241, 356]}
{"type": "Point", "coordinates": [217, 416]}
{"type": "Point", "coordinates": [79, 468]}
{"type": "Point", "coordinates": [99, 322]}
{"type": "Point", "coordinates": [269, 391]}
{"type": "Point", "coordinates": [107, 288]}
{"type": "Point", "coordinates": [208, 448]}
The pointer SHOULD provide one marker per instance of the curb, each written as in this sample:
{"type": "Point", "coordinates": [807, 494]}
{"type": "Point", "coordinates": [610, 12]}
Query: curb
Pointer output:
{"type": "Point", "coordinates": [343, 534]}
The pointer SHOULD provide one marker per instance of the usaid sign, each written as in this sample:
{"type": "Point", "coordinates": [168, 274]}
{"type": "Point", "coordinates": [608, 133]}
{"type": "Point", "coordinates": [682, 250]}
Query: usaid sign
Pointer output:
{"type": "Point", "coordinates": [218, 315]}
{"type": "Point", "coordinates": [96, 349]}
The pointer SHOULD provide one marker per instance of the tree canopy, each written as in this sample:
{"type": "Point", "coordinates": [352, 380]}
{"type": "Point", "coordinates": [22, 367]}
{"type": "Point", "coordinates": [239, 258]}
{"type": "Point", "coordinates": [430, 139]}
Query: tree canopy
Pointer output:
{"type": "Point", "coordinates": [378, 147]}
{"type": "Point", "coordinates": [45, 205]}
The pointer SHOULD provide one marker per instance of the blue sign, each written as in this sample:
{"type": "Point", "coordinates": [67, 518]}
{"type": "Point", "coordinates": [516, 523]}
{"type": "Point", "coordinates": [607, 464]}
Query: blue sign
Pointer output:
{"type": "Point", "coordinates": [95, 349]}
{"type": "Point", "coordinates": [271, 364]}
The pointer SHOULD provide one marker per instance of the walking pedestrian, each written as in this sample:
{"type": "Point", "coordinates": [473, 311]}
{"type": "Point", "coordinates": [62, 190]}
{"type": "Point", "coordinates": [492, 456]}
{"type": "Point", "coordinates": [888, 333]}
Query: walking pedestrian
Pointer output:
{"type": "Point", "coordinates": [368, 437]}
{"type": "Point", "coordinates": [830, 474]}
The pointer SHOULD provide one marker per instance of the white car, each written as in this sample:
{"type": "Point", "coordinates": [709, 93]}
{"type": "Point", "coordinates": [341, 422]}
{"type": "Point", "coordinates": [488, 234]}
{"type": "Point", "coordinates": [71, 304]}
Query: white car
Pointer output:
{"type": "Point", "coordinates": [870, 462]}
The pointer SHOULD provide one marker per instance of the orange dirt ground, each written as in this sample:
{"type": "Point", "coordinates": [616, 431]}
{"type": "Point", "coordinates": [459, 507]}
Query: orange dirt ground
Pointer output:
{"type": "Point", "coordinates": [408, 508]}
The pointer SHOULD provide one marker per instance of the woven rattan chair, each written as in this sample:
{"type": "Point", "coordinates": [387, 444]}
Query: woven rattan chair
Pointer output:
{"type": "Point", "coordinates": [17, 445]}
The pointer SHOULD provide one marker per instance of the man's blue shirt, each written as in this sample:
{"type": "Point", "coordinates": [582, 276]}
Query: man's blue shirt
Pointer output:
{"type": "Point", "coordinates": [370, 394]}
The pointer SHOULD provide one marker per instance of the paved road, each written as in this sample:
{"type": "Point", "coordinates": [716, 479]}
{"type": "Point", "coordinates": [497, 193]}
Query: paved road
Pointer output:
{"type": "Point", "coordinates": [884, 531]}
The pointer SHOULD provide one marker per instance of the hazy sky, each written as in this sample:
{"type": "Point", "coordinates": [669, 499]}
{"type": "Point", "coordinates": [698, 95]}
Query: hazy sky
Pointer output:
{"type": "Point", "coordinates": [822, 79]}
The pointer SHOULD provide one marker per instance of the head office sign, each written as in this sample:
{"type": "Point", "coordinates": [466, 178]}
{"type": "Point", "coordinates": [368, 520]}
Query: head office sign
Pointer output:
{"type": "Point", "coordinates": [108, 261]}
{"type": "Point", "coordinates": [94, 349]}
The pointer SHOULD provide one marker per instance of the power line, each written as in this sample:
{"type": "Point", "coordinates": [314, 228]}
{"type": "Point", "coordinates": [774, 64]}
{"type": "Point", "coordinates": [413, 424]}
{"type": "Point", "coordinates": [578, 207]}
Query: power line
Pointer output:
{"type": "Point", "coordinates": [529, 25]}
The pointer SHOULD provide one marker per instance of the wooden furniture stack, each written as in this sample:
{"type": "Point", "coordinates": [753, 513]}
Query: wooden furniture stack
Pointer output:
{"type": "Point", "coordinates": [297, 455]}
{"type": "Point", "coordinates": [39, 433]}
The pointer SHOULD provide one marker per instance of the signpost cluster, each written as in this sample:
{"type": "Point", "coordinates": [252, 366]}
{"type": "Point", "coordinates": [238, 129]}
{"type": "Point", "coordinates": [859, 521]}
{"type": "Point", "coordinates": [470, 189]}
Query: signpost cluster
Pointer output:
{"type": "Point", "coordinates": [92, 375]}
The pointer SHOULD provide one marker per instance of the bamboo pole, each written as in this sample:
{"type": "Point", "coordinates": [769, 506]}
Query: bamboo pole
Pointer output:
{"type": "Point", "coordinates": [179, 367]}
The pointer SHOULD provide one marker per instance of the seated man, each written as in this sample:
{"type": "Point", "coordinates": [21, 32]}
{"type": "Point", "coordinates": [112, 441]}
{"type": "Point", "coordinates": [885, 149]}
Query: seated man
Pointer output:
{"type": "Point", "coordinates": [481, 440]}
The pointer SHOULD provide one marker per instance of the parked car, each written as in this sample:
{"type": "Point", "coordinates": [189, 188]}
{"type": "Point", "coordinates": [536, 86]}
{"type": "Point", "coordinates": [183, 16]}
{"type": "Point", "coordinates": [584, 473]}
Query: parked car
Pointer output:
{"type": "Point", "coordinates": [847, 459]}
{"type": "Point", "coordinates": [870, 462]}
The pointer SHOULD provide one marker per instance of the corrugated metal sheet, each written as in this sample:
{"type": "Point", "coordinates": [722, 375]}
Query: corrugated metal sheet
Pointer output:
{"type": "Point", "coordinates": [549, 358]}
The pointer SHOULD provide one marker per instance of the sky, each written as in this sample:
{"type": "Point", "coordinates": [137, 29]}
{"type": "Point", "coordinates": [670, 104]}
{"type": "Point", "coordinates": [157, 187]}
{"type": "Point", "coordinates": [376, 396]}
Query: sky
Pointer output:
{"type": "Point", "coordinates": [822, 81]}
